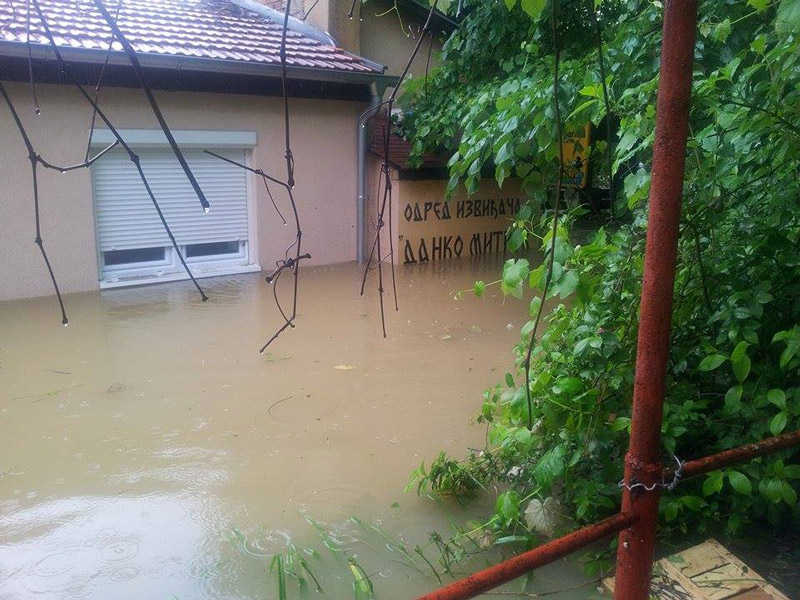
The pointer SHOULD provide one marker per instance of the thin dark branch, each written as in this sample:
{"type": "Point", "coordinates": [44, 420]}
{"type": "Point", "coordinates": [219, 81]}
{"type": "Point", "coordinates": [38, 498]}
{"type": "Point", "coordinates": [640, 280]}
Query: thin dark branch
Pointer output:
{"type": "Point", "coordinates": [288, 263]}
{"type": "Point", "coordinates": [288, 146]}
{"type": "Point", "coordinates": [272, 199]}
{"type": "Point", "coordinates": [137, 69]}
{"type": "Point", "coordinates": [35, 160]}
{"type": "Point", "coordinates": [30, 56]}
{"type": "Point", "coordinates": [559, 183]}
{"type": "Point", "coordinates": [391, 252]}
{"type": "Point", "coordinates": [100, 80]}
{"type": "Point", "coordinates": [375, 241]}
{"type": "Point", "coordinates": [701, 266]}
{"type": "Point", "coordinates": [428, 61]}
{"type": "Point", "coordinates": [790, 124]}
{"type": "Point", "coordinates": [246, 168]}
{"type": "Point", "coordinates": [84, 165]}
{"type": "Point", "coordinates": [274, 281]}
{"type": "Point", "coordinates": [313, 6]}
{"type": "Point", "coordinates": [607, 102]}
{"type": "Point", "coordinates": [386, 170]}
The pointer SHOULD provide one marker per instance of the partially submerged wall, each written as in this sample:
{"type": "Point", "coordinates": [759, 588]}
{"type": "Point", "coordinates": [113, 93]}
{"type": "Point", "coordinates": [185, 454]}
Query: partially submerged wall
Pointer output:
{"type": "Point", "coordinates": [323, 142]}
{"type": "Point", "coordinates": [430, 228]}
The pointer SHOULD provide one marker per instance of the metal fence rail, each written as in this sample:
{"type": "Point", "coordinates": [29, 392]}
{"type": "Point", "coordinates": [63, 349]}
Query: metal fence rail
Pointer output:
{"type": "Point", "coordinates": [508, 570]}
{"type": "Point", "coordinates": [636, 523]}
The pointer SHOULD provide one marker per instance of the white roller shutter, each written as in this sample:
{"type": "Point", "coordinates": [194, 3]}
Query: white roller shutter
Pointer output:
{"type": "Point", "coordinates": [126, 218]}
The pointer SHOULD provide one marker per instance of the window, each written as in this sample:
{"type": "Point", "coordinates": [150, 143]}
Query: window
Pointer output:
{"type": "Point", "coordinates": [133, 246]}
{"type": "Point", "coordinates": [113, 258]}
{"type": "Point", "coordinates": [211, 249]}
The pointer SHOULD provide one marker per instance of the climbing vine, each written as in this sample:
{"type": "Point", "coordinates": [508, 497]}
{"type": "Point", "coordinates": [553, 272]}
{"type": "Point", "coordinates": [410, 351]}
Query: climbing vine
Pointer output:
{"type": "Point", "coordinates": [734, 368]}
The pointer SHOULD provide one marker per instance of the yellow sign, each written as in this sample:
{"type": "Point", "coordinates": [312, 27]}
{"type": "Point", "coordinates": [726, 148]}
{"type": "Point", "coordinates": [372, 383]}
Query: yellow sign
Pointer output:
{"type": "Point", "coordinates": [576, 164]}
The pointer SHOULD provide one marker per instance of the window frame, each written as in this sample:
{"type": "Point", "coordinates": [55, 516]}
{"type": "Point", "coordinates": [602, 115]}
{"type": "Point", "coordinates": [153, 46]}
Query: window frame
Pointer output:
{"type": "Point", "coordinates": [170, 269]}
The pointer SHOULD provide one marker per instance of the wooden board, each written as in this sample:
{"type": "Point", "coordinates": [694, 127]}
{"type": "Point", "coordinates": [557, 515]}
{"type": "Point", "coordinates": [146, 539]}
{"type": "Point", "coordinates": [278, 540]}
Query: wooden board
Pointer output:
{"type": "Point", "coordinates": [707, 572]}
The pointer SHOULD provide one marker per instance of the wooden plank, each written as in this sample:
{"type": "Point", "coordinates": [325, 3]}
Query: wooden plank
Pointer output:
{"type": "Point", "coordinates": [707, 571]}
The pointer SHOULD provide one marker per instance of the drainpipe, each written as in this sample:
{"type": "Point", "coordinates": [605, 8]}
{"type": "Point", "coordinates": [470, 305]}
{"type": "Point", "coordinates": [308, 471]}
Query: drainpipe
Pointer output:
{"type": "Point", "coordinates": [642, 462]}
{"type": "Point", "coordinates": [376, 96]}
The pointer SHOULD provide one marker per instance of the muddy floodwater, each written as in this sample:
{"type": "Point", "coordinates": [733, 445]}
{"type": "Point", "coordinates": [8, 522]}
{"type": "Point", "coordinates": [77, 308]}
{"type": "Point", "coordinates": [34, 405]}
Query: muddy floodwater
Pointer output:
{"type": "Point", "coordinates": [149, 451]}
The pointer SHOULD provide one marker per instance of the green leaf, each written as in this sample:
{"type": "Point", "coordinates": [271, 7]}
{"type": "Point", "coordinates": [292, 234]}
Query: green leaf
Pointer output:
{"type": "Point", "coordinates": [739, 351]}
{"type": "Point", "coordinates": [792, 346]}
{"type": "Point", "coordinates": [671, 511]}
{"type": "Point", "coordinates": [536, 276]}
{"type": "Point", "coordinates": [722, 30]}
{"type": "Point", "coordinates": [533, 8]}
{"type": "Point", "coordinates": [759, 5]}
{"type": "Point", "coordinates": [791, 471]}
{"type": "Point", "coordinates": [771, 488]}
{"type": "Point", "coordinates": [733, 398]}
{"type": "Point", "coordinates": [514, 273]}
{"type": "Point", "coordinates": [568, 385]}
{"type": "Point", "coordinates": [536, 303]}
{"type": "Point", "coordinates": [621, 423]}
{"type": "Point", "coordinates": [778, 423]}
{"type": "Point", "coordinates": [480, 288]}
{"type": "Point", "coordinates": [777, 397]}
{"type": "Point", "coordinates": [507, 506]}
{"type": "Point", "coordinates": [567, 284]}
{"type": "Point", "coordinates": [788, 18]}
{"type": "Point", "coordinates": [712, 361]}
{"type": "Point", "coordinates": [510, 4]}
{"type": "Point", "coordinates": [713, 483]}
{"type": "Point", "coordinates": [550, 466]}
{"type": "Point", "coordinates": [741, 368]}
{"type": "Point", "coordinates": [740, 482]}
{"type": "Point", "coordinates": [694, 503]}
{"type": "Point", "coordinates": [788, 493]}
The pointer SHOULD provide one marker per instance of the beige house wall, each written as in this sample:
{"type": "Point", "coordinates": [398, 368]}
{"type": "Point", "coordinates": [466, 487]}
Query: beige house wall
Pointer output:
{"type": "Point", "coordinates": [389, 40]}
{"type": "Point", "coordinates": [380, 36]}
{"type": "Point", "coordinates": [430, 229]}
{"type": "Point", "coordinates": [426, 228]}
{"type": "Point", "coordinates": [323, 142]}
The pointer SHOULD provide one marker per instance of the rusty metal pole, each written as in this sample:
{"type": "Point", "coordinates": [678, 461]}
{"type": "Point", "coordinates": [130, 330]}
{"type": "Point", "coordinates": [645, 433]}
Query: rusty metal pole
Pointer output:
{"type": "Point", "coordinates": [514, 567]}
{"type": "Point", "coordinates": [642, 462]}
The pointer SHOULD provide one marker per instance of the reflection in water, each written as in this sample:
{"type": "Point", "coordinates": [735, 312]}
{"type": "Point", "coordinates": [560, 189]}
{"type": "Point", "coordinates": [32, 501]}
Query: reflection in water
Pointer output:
{"type": "Point", "coordinates": [149, 451]}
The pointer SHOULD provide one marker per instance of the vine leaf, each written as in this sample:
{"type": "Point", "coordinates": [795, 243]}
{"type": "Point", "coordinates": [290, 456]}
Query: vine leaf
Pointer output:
{"type": "Point", "coordinates": [533, 8]}
{"type": "Point", "coordinates": [740, 482]}
{"type": "Point", "coordinates": [711, 362]}
{"type": "Point", "coordinates": [543, 517]}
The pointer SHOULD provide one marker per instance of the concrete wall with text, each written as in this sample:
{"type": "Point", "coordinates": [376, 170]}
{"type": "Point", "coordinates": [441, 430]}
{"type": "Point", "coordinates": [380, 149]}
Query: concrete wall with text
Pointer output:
{"type": "Point", "coordinates": [431, 229]}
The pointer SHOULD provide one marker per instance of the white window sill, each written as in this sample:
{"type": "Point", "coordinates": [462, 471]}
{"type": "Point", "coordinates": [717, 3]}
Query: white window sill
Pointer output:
{"type": "Point", "coordinates": [198, 274]}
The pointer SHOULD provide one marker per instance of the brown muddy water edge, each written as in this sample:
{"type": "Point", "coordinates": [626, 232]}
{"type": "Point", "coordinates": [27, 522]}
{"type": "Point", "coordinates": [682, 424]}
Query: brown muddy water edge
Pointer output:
{"type": "Point", "coordinates": [149, 451]}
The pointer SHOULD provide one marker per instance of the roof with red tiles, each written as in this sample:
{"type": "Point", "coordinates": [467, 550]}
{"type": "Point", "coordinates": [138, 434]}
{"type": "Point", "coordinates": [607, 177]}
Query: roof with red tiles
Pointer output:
{"type": "Point", "coordinates": [203, 29]}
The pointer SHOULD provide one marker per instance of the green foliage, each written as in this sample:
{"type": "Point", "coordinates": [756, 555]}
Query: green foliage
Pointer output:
{"type": "Point", "coordinates": [734, 366]}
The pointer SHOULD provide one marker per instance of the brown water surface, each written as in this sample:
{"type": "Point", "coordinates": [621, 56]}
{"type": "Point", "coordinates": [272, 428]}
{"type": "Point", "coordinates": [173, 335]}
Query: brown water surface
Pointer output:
{"type": "Point", "coordinates": [149, 451]}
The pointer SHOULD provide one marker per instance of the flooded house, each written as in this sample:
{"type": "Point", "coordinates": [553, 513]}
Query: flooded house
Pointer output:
{"type": "Point", "coordinates": [148, 449]}
{"type": "Point", "coordinates": [214, 67]}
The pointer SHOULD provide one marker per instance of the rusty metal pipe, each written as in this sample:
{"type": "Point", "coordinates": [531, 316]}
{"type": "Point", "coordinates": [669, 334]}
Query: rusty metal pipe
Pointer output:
{"type": "Point", "coordinates": [517, 566]}
{"type": "Point", "coordinates": [642, 462]}
{"type": "Point", "coordinates": [738, 455]}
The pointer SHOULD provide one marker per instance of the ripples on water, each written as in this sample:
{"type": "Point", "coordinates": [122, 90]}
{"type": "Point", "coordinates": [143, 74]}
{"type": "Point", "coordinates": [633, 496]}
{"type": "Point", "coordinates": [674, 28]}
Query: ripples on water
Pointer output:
{"type": "Point", "coordinates": [149, 451]}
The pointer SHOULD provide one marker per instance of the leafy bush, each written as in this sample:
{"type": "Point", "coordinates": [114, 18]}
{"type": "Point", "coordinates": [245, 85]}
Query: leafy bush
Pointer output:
{"type": "Point", "coordinates": [734, 366]}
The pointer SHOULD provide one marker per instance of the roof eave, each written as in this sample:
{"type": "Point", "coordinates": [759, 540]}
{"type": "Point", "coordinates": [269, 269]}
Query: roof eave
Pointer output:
{"type": "Point", "coordinates": [191, 63]}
